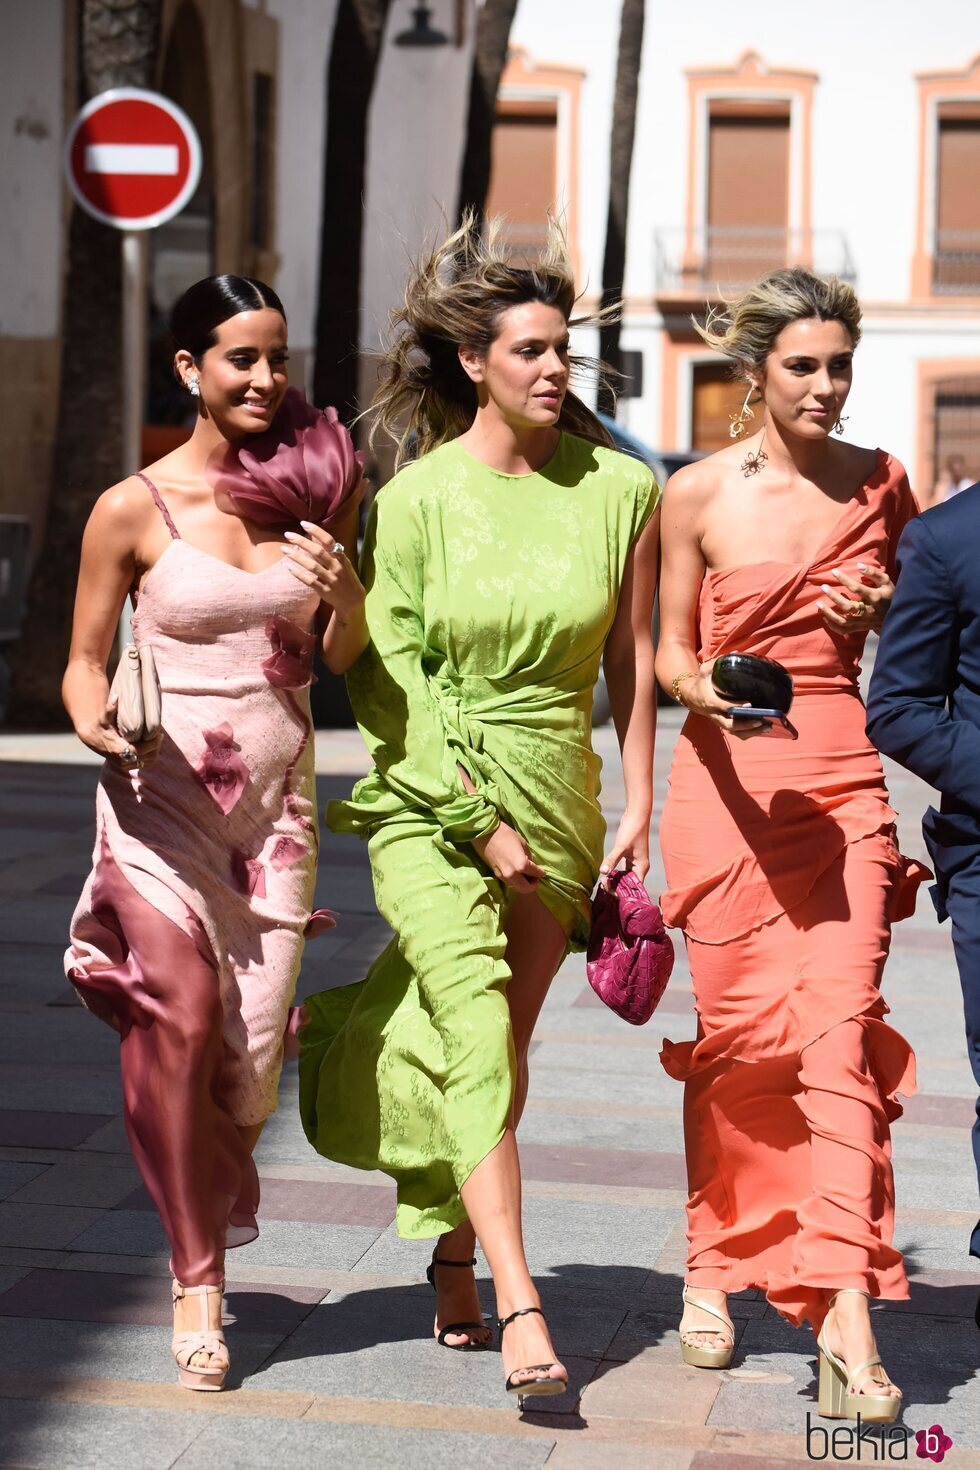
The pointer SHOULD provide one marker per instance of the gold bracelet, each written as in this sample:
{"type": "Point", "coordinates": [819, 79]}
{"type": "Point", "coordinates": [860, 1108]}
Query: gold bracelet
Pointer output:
{"type": "Point", "coordinates": [677, 681]}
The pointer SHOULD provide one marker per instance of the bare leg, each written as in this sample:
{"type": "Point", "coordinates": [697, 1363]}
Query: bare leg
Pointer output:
{"type": "Point", "coordinates": [535, 948]}
{"type": "Point", "coordinates": [492, 1193]}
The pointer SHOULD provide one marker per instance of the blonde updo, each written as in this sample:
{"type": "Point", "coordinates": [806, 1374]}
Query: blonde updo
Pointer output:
{"type": "Point", "coordinates": [745, 330]}
{"type": "Point", "coordinates": [456, 298]}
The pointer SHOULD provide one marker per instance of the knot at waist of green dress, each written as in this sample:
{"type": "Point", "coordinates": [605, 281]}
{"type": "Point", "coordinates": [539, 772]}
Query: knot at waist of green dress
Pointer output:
{"type": "Point", "coordinates": [526, 750]}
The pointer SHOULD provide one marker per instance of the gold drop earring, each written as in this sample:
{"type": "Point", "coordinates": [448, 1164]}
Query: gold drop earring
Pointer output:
{"type": "Point", "coordinates": [736, 421]}
{"type": "Point", "coordinates": [753, 462]}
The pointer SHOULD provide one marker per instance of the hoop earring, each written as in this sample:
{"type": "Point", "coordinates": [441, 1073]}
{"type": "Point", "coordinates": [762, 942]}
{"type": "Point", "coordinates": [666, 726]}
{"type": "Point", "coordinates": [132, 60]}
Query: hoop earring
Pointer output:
{"type": "Point", "coordinates": [736, 421]}
{"type": "Point", "coordinates": [842, 420]}
{"type": "Point", "coordinates": [753, 462]}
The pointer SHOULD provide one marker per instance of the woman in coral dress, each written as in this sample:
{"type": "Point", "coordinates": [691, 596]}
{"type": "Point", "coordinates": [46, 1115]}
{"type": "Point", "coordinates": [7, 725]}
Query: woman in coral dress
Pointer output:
{"type": "Point", "coordinates": [188, 934]}
{"type": "Point", "coordinates": [780, 856]}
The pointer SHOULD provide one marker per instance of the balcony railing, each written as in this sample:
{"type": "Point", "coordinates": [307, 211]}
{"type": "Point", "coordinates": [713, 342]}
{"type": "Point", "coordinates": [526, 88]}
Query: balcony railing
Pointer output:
{"type": "Point", "coordinates": [718, 260]}
{"type": "Point", "coordinates": [956, 263]}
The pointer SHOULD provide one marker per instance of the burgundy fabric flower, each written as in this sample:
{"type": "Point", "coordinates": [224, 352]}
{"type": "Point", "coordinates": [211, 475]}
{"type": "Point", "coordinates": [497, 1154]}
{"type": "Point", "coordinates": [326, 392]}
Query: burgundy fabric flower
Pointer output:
{"type": "Point", "coordinates": [248, 873]}
{"type": "Point", "coordinates": [303, 468]}
{"type": "Point", "coordinates": [290, 664]}
{"type": "Point", "coordinates": [222, 769]}
{"type": "Point", "coordinates": [319, 921]}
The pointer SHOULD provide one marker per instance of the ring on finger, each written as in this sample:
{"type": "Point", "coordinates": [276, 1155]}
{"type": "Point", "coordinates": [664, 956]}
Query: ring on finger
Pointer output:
{"type": "Point", "coordinates": [337, 548]}
{"type": "Point", "coordinates": [856, 610]}
{"type": "Point", "coordinates": [129, 755]}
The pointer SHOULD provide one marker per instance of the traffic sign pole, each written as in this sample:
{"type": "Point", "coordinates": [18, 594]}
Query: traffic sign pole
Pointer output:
{"type": "Point", "coordinates": [134, 260]}
{"type": "Point", "coordinates": [134, 255]}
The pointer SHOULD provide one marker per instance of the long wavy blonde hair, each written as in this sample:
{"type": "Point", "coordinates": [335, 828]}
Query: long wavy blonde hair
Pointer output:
{"type": "Point", "coordinates": [455, 298]}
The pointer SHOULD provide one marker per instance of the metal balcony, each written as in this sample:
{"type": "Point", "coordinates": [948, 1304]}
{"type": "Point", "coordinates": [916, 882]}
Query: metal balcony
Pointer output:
{"type": "Point", "coordinates": [719, 260]}
{"type": "Point", "coordinates": [956, 263]}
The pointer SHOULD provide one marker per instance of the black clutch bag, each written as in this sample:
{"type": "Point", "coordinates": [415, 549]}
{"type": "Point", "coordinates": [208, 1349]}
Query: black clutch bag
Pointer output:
{"type": "Point", "coordinates": [745, 678]}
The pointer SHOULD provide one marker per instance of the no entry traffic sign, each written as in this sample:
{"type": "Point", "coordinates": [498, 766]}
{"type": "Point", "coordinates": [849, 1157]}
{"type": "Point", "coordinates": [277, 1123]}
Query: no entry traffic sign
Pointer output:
{"type": "Point", "coordinates": [133, 158]}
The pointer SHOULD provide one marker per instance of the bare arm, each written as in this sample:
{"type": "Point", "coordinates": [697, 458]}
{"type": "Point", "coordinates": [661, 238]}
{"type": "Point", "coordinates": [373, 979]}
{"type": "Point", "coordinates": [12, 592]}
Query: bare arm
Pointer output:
{"type": "Point", "coordinates": [108, 569]}
{"type": "Point", "coordinates": [683, 569]}
{"type": "Point", "coordinates": [628, 661]}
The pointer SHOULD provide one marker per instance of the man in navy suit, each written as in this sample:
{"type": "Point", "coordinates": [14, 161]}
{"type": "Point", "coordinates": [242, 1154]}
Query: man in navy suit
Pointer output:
{"type": "Point", "coordinates": [924, 711]}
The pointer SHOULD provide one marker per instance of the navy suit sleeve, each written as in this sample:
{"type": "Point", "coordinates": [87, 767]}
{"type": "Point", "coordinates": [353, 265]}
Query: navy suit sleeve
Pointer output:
{"type": "Point", "coordinates": [915, 671]}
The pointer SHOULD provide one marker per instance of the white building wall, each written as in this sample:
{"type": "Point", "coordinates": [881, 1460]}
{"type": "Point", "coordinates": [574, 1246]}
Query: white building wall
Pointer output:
{"type": "Point", "coordinates": [415, 143]}
{"type": "Point", "coordinates": [305, 35]}
{"type": "Point", "coordinates": [32, 126]}
{"type": "Point", "coordinates": [864, 166]}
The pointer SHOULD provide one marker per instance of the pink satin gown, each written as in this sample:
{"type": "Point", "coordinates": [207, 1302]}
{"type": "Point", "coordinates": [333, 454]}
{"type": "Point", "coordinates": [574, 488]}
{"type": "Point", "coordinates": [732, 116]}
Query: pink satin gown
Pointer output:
{"type": "Point", "coordinates": [785, 877]}
{"type": "Point", "coordinates": [188, 934]}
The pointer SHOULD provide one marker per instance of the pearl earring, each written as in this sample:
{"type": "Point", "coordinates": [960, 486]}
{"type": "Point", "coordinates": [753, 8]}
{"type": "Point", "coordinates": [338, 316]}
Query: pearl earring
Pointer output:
{"type": "Point", "coordinates": [194, 387]}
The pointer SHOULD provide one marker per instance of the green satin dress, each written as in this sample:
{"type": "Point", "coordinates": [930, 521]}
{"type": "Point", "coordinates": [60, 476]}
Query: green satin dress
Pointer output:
{"type": "Point", "coordinates": [490, 597]}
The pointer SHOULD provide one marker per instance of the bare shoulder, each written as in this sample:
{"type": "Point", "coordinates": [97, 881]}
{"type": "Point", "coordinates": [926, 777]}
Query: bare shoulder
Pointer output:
{"type": "Point", "coordinates": [691, 488]}
{"type": "Point", "coordinates": [123, 511]}
{"type": "Point", "coordinates": [857, 460]}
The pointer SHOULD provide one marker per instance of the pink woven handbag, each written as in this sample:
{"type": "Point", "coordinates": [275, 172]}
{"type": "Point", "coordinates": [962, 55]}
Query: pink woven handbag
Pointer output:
{"type": "Point", "coordinates": [630, 955]}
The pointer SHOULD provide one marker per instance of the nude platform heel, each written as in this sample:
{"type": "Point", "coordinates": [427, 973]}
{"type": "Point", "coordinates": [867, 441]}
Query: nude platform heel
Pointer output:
{"type": "Point", "coordinates": [702, 1357]}
{"type": "Point", "coordinates": [837, 1392]}
{"type": "Point", "coordinates": [204, 1340]}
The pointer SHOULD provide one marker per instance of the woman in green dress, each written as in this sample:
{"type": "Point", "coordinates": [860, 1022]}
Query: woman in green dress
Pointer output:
{"type": "Point", "coordinates": [517, 551]}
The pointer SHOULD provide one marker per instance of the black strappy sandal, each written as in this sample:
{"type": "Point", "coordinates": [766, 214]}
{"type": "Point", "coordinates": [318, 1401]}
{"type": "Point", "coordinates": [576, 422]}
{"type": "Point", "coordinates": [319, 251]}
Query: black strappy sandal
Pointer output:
{"type": "Point", "coordinates": [455, 1327]}
{"type": "Point", "coordinates": [544, 1387]}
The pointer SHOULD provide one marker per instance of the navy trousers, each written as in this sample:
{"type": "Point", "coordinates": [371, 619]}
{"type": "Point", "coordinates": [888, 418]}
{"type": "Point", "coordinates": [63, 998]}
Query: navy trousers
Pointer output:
{"type": "Point", "coordinates": [963, 907]}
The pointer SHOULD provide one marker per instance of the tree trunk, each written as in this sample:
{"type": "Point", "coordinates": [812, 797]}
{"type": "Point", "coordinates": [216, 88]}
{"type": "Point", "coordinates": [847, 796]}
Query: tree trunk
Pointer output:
{"type": "Point", "coordinates": [489, 58]}
{"type": "Point", "coordinates": [351, 73]}
{"type": "Point", "coordinates": [620, 164]}
{"type": "Point", "coordinates": [118, 45]}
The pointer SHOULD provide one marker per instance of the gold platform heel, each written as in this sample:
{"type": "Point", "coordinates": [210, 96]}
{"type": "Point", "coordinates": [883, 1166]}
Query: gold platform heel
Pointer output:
{"type": "Point", "coordinates": [702, 1357]}
{"type": "Point", "coordinates": [837, 1394]}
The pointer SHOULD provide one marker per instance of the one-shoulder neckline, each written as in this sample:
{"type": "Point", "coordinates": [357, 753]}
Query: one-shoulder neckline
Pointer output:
{"type": "Point", "coordinates": [882, 456]}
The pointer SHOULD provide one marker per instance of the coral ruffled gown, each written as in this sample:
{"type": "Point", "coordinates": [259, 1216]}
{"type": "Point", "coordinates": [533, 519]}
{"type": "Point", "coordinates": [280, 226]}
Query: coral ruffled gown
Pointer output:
{"type": "Point", "coordinates": [785, 877]}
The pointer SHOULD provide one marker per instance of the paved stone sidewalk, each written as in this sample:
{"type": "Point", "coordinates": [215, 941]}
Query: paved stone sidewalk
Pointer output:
{"type": "Point", "coordinates": [330, 1313]}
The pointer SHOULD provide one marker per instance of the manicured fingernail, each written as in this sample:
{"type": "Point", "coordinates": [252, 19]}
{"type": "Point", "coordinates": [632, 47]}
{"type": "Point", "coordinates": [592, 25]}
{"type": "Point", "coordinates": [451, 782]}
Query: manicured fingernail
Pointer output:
{"type": "Point", "coordinates": [292, 535]}
{"type": "Point", "coordinates": [862, 566]}
{"type": "Point", "coordinates": [308, 526]}
{"type": "Point", "coordinates": [824, 587]}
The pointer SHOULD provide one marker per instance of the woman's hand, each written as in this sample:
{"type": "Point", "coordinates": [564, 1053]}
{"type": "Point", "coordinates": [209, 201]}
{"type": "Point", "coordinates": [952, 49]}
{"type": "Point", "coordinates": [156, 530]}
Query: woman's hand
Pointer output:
{"type": "Point", "coordinates": [699, 695]}
{"type": "Point", "coordinates": [102, 736]}
{"type": "Point", "coordinates": [864, 603]}
{"type": "Point", "coordinates": [632, 846]}
{"type": "Point", "coordinates": [320, 561]}
{"type": "Point", "coordinates": [507, 854]}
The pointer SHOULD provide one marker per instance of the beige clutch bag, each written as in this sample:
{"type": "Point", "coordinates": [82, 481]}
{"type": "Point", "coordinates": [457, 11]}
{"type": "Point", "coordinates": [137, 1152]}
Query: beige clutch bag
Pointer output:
{"type": "Point", "coordinates": [136, 691]}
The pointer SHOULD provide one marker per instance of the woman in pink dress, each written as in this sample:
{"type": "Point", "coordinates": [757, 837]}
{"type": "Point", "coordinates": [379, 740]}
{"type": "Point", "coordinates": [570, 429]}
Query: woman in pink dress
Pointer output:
{"type": "Point", "coordinates": [188, 935]}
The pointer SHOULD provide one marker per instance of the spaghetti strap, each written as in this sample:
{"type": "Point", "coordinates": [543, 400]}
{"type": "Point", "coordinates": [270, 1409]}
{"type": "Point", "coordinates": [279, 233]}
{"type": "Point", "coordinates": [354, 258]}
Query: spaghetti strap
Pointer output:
{"type": "Point", "coordinates": [158, 502]}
